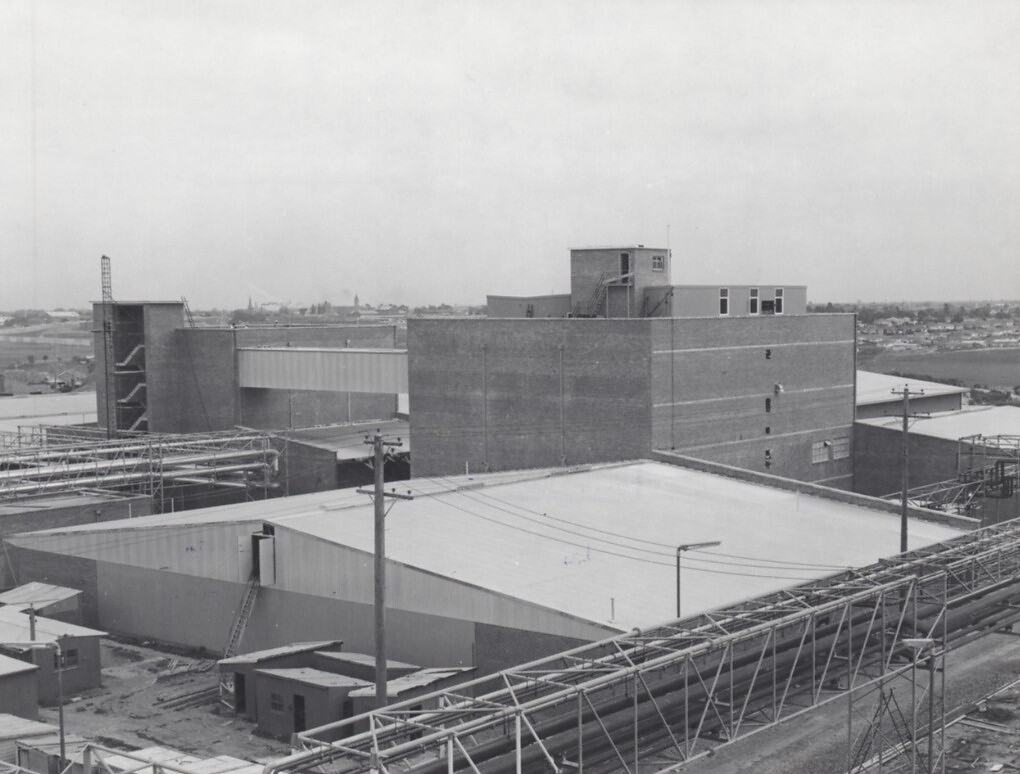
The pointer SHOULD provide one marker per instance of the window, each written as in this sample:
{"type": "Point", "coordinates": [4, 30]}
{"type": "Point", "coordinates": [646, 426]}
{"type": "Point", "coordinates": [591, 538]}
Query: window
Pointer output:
{"type": "Point", "coordinates": [768, 354]}
{"type": "Point", "coordinates": [768, 430]}
{"type": "Point", "coordinates": [624, 264]}
{"type": "Point", "coordinates": [768, 405]}
{"type": "Point", "coordinates": [840, 448]}
{"type": "Point", "coordinates": [768, 458]}
{"type": "Point", "coordinates": [530, 311]}
{"type": "Point", "coordinates": [819, 452]}
{"type": "Point", "coordinates": [658, 263]}
{"type": "Point", "coordinates": [724, 301]}
{"type": "Point", "coordinates": [71, 658]}
{"type": "Point", "coordinates": [276, 702]}
{"type": "Point", "coordinates": [752, 302]}
{"type": "Point", "coordinates": [779, 300]}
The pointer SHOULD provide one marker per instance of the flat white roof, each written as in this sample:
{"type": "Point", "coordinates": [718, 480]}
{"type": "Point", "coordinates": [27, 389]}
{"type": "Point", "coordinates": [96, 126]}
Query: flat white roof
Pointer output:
{"type": "Point", "coordinates": [12, 666]}
{"type": "Point", "coordinates": [877, 388]}
{"type": "Point", "coordinates": [952, 425]}
{"type": "Point", "coordinates": [15, 727]}
{"type": "Point", "coordinates": [15, 627]}
{"type": "Point", "coordinates": [36, 593]}
{"type": "Point", "coordinates": [596, 543]}
{"type": "Point", "coordinates": [317, 677]}
{"type": "Point", "coordinates": [256, 656]}
{"type": "Point", "coordinates": [601, 544]}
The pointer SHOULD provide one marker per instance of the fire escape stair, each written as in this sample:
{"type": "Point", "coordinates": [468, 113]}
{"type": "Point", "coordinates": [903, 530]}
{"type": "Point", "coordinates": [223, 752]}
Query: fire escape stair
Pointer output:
{"type": "Point", "coordinates": [130, 398]}
{"type": "Point", "coordinates": [251, 592]}
{"type": "Point", "coordinates": [132, 356]}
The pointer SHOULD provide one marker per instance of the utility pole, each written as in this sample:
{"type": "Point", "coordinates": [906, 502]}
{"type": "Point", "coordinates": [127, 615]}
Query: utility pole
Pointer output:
{"type": "Point", "coordinates": [379, 446]}
{"type": "Point", "coordinates": [679, 550]}
{"type": "Point", "coordinates": [906, 393]}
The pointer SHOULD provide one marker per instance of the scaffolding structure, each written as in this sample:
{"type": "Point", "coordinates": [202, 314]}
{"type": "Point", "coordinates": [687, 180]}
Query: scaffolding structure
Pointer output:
{"type": "Point", "coordinates": [46, 463]}
{"type": "Point", "coordinates": [986, 466]}
{"type": "Point", "coordinates": [658, 699]}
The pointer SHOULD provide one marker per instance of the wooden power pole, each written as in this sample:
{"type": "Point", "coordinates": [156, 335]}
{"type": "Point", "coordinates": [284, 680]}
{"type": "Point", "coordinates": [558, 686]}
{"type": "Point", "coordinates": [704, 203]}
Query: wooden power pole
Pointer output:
{"type": "Point", "coordinates": [906, 393]}
{"type": "Point", "coordinates": [379, 447]}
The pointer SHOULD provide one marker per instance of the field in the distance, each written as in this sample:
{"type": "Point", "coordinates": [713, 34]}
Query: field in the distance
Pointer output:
{"type": "Point", "coordinates": [992, 367]}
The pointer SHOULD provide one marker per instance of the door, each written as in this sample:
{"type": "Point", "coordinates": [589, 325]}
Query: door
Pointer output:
{"type": "Point", "coordinates": [240, 698]}
{"type": "Point", "coordinates": [299, 713]}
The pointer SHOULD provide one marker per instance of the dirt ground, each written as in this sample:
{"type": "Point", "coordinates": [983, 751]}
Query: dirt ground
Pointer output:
{"type": "Point", "coordinates": [126, 712]}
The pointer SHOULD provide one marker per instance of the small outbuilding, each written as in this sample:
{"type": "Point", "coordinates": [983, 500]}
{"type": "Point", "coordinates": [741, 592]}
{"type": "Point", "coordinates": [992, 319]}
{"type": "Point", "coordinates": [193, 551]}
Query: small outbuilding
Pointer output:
{"type": "Point", "coordinates": [293, 700]}
{"type": "Point", "coordinates": [79, 665]}
{"type": "Point", "coordinates": [18, 691]}
{"type": "Point", "coordinates": [57, 602]}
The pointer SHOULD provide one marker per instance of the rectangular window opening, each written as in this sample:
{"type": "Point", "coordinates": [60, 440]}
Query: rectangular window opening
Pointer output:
{"type": "Point", "coordinates": [768, 405]}
{"type": "Point", "coordinates": [276, 702]}
{"type": "Point", "coordinates": [724, 301]}
{"type": "Point", "coordinates": [624, 264]}
{"type": "Point", "coordinates": [658, 263]}
{"type": "Point", "coordinates": [779, 300]}
{"type": "Point", "coordinates": [752, 303]}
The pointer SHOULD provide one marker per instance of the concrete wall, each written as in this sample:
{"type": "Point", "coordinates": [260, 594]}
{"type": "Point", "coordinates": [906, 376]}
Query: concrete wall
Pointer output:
{"type": "Point", "coordinates": [518, 306]}
{"type": "Point", "coordinates": [162, 363]}
{"type": "Point", "coordinates": [306, 468]}
{"type": "Point", "coordinates": [714, 391]}
{"type": "Point", "coordinates": [88, 673]}
{"type": "Point", "coordinates": [925, 404]}
{"type": "Point", "coordinates": [506, 394]}
{"type": "Point", "coordinates": [19, 695]}
{"type": "Point", "coordinates": [322, 705]}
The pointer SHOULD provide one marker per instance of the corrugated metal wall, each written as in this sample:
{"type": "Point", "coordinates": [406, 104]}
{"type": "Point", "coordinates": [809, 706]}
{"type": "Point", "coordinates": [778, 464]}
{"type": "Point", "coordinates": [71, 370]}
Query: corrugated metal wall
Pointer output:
{"type": "Point", "coordinates": [340, 370]}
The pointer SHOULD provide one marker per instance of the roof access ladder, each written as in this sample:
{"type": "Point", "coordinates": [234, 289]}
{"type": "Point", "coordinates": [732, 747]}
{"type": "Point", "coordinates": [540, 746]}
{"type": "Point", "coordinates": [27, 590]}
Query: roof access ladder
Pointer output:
{"type": "Point", "coordinates": [251, 592]}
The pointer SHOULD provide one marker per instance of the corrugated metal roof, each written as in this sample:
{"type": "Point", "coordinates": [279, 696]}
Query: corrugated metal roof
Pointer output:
{"type": "Point", "coordinates": [36, 593]}
{"type": "Point", "coordinates": [362, 659]}
{"type": "Point", "coordinates": [12, 666]}
{"type": "Point", "coordinates": [419, 679]}
{"type": "Point", "coordinates": [317, 677]}
{"type": "Point", "coordinates": [15, 627]}
{"type": "Point", "coordinates": [284, 650]}
{"type": "Point", "coordinates": [952, 425]}
{"type": "Point", "coordinates": [348, 441]}
{"type": "Point", "coordinates": [877, 388]}
{"type": "Point", "coordinates": [14, 727]}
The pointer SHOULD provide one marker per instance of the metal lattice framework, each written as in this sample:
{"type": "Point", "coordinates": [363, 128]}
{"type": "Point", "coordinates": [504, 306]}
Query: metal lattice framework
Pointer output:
{"type": "Point", "coordinates": [655, 700]}
{"type": "Point", "coordinates": [35, 464]}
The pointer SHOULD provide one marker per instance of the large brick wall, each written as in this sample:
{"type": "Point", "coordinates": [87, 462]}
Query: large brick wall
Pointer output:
{"type": "Point", "coordinates": [202, 389]}
{"type": "Point", "coordinates": [714, 391]}
{"type": "Point", "coordinates": [505, 394]}
{"type": "Point", "coordinates": [499, 394]}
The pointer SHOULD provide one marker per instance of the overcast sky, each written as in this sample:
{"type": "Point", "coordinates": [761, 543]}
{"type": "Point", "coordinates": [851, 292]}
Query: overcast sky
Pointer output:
{"type": "Point", "coordinates": [438, 151]}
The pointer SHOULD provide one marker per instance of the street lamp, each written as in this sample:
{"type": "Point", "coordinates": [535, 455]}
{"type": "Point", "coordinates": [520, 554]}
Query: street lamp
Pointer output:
{"type": "Point", "coordinates": [679, 550]}
{"type": "Point", "coordinates": [55, 644]}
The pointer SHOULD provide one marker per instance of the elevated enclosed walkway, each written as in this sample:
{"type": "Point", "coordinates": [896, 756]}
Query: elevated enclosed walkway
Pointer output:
{"type": "Point", "coordinates": [323, 368]}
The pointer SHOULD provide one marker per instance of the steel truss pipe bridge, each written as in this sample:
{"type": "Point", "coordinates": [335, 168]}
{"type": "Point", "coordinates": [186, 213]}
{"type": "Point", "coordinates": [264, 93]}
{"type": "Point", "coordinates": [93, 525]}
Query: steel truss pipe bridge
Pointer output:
{"type": "Point", "coordinates": [242, 460]}
{"type": "Point", "coordinates": [654, 700]}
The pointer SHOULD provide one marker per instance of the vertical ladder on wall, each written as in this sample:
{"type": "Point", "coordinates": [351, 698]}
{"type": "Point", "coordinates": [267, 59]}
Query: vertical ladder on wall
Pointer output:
{"type": "Point", "coordinates": [251, 592]}
{"type": "Point", "coordinates": [187, 312]}
{"type": "Point", "coordinates": [108, 356]}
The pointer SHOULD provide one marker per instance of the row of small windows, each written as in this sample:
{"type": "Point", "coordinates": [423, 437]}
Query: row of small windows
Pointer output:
{"type": "Point", "coordinates": [755, 304]}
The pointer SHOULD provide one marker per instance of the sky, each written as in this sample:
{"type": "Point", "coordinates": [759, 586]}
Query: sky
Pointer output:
{"type": "Point", "coordinates": [427, 152]}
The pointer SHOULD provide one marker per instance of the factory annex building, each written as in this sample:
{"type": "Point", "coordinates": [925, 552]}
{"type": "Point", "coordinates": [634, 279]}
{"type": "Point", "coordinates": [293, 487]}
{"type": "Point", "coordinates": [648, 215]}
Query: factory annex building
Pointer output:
{"type": "Point", "coordinates": [483, 571]}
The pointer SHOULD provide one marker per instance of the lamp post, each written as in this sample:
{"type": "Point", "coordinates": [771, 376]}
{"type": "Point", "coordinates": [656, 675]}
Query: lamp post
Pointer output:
{"type": "Point", "coordinates": [58, 653]}
{"type": "Point", "coordinates": [679, 550]}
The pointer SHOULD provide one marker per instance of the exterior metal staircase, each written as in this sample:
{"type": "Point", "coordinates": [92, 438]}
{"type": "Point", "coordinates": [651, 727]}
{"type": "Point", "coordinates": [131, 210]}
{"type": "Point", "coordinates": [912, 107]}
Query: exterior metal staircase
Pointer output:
{"type": "Point", "coordinates": [134, 353]}
{"type": "Point", "coordinates": [130, 397]}
{"type": "Point", "coordinates": [137, 424]}
{"type": "Point", "coordinates": [251, 592]}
